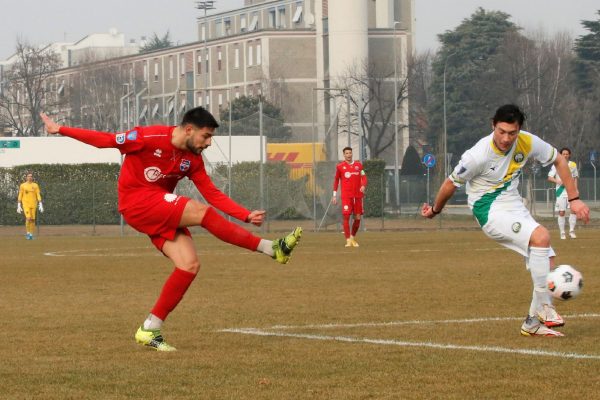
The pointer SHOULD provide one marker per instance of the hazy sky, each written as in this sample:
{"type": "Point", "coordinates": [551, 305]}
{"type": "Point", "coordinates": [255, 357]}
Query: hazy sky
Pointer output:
{"type": "Point", "coordinates": [43, 21]}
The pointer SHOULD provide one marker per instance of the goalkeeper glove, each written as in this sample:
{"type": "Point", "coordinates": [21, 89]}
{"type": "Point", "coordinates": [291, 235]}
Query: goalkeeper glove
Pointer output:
{"type": "Point", "coordinates": [19, 208]}
{"type": "Point", "coordinates": [40, 207]}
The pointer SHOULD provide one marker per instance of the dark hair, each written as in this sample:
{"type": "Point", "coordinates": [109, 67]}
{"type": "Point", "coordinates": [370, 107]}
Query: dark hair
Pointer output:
{"type": "Point", "coordinates": [346, 148]}
{"type": "Point", "coordinates": [509, 113]}
{"type": "Point", "coordinates": [200, 118]}
{"type": "Point", "coordinates": [567, 149]}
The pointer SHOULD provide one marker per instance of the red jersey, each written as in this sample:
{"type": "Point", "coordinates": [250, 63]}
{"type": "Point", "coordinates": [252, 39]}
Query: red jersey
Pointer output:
{"type": "Point", "coordinates": [153, 164]}
{"type": "Point", "coordinates": [352, 177]}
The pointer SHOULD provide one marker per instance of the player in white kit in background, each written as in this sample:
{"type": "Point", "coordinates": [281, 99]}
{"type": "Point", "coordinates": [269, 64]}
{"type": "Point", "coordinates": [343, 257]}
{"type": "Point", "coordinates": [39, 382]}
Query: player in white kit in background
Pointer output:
{"type": "Point", "coordinates": [562, 203]}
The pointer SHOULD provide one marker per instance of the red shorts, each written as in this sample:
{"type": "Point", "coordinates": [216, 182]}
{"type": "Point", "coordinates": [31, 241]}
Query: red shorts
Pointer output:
{"type": "Point", "coordinates": [157, 214]}
{"type": "Point", "coordinates": [352, 205]}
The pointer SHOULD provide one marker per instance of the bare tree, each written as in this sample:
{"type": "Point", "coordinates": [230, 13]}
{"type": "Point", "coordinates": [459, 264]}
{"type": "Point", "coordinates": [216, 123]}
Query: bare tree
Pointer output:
{"type": "Point", "coordinates": [371, 88]}
{"type": "Point", "coordinates": [96, 95]}
{"type": "Point", "coordinates": [27, 88]}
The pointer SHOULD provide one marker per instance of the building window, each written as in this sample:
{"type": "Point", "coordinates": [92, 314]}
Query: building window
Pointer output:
{"type": "Point", "coordinates": [145, 72]}
{"type": "Point", "coordinates": [171, 67]}
{"type": "Point", "coordinates": [236, 58]}
{"type": "Point", "coordinates": [199, 63]}
{"type": "Point", "coordinates": [156, 71]}
{"type": "Point", "coordinates": [200, 98]}
{"type": "Point", "coordinates": [182, 64]}
{"type": "Point", "coordinates": [281, 23]}
{"type": "Point", "coordinates": [220, 99]}
{"type": "Point", "coordinates": [219, 59]}
{"type": "Point", "coordinates": [203, 32]}
{"type": "Point", "coordinates": [250, 56]}
{"type": "Point", "coordinates": [243, 23]}
{"type": "Point", "coordinates": [272, 16]}
{"type": "Point", "coordinates": [219, 28]}
{"type": "Point", "coordinates": [227, 26]}
{"type": "Point", "coordinates": [298, 14]}
{"type": "Point", "coordinates": [254, 23]}
{"type": "Point", "coordinates": [258, 54]}
{"type": "Point", "coordinates": [237, 93]}
{"type": "Point", "coordinates": [207, 100]}
{"type": "Point", "coordinates": [207, 69]}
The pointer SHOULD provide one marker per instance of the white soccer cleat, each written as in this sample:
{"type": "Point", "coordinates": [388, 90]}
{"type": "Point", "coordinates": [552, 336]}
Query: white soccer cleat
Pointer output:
{"type": "Point", "coordinates": [572, 235]}
{"type": "Point", "coordinates": [549, 317]}
{"type": "Point", "coordinates": [348, 243]}
{"type": "Point", "coordinates": [532, 327]}
{"type": "Point", "coordinates": [563, 236]}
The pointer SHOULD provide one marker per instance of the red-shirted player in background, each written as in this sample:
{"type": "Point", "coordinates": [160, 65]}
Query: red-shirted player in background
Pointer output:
{"type": "Point", "coordinates": [352, 177]}
{"type": "Point", "coordinates": [157, 157]}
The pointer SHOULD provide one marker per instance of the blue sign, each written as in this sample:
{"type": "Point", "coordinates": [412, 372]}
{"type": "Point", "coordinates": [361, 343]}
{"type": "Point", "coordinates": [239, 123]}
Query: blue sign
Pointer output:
{"type": "Point", "coordinates": [429, 160]}
{"type": "Point", "coordinates": [593, 156]}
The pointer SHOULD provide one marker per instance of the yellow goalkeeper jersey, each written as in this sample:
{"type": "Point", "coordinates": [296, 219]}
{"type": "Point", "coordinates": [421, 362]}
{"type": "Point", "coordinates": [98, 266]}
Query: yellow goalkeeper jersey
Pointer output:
{"type": "Point", "coordinates": [29, 194]}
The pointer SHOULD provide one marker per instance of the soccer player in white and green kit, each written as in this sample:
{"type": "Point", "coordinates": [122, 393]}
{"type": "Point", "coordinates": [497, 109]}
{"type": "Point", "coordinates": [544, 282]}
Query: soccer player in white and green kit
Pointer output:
{"type": "Point", "coordinates": [562, 203]}
{"type": "Point", "coordinates": [491, 170]}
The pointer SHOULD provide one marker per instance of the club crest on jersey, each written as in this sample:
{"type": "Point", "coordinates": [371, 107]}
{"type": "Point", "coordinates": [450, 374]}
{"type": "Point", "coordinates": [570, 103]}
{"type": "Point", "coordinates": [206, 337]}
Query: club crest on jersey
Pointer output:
{"type": "Point", "coordinates": [132, 135]}
{"type": "Point", "coordinates": [120, 138]}
{"type": "Point", "coordinates": [185, 165]}
{"type": "Point", "coordinates": [516, 227]}
{"type": "Point", "coordinates": [347, 175]}
{"type": "Point", "coordinates": [519, 157]}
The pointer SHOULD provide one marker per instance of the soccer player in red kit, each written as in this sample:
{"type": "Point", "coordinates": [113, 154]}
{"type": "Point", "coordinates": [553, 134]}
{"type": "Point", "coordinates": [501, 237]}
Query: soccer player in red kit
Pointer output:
{"type": "Point", "coordinates": [156, 158]}
{"type": "Point", "coordinates": [351, 175]}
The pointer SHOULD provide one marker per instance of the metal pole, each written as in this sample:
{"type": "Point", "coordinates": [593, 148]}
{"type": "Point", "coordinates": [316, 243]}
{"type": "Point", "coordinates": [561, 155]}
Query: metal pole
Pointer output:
{"type": "Point", "coordinates": [396, 173]}
{"type": "Point", "coordinates": [230, 121]}
{"type": "Point", "coordinates": [261, 171]}
{"type": "Point", "coordinates": [445, 131]}
{"type": "Point", "coordinates": [314, 140]}
{"type": "Point", "coordinates": [348, 116]}
{"type": "Point", "coordinates": [593, 166]}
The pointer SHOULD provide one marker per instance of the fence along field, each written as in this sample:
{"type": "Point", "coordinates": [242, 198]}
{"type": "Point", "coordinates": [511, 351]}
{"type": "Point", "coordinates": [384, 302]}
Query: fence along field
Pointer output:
{"type": "Point", "coordinates": [412, 314]}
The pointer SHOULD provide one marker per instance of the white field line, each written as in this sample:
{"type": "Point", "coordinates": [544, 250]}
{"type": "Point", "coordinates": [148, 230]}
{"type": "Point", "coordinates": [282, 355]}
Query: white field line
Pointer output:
{"type": "Point", "coordinates": [415, 322]}
{"type": "Point", "coordinates": [442, 346]}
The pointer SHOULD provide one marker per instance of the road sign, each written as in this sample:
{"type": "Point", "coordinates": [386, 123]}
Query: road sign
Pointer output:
{"type": "Point", "coordinates": [593, 156]}
{"type": "Point", "coordinates": [429, 160]}
{"type": "Point", "coordinates": [10, 144]}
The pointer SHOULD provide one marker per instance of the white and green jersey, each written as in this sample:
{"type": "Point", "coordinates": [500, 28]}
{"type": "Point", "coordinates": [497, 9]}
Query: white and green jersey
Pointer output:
{"type": "Point", "coordinates": [560, 189]}
{"type": "Point", "coordinates": [492, 176]}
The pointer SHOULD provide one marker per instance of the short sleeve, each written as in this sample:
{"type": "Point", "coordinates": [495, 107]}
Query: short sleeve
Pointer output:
{"type": "Point", "coordinates": [466, 169]}
{"type": "Point", "coordinates": [542, 151]}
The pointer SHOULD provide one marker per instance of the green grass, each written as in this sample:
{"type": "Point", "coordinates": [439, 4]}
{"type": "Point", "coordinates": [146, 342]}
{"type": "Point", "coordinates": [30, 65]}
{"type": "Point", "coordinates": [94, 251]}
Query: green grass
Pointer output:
{"type": "Point", "coordinates": [68, 320]}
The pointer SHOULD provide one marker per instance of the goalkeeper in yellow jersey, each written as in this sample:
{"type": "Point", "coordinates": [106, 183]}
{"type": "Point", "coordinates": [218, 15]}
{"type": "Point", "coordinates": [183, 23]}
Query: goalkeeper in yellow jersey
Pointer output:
{"type": "Point", "coordinates": [29, 200]}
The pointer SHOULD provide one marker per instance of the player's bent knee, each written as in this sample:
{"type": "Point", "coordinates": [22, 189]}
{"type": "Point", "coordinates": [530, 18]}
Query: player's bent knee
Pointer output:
{"type": "Point", "coordinates": [540, 237]}
{"type": "Point", "coordinates": [190, 266]}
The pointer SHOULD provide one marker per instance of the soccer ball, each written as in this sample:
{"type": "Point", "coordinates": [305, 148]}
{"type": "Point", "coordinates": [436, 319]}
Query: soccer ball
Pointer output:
{"type": "Point", "coordinates": [565, 282]}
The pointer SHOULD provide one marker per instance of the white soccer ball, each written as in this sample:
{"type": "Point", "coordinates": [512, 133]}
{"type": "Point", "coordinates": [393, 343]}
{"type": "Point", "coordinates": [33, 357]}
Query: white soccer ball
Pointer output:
{"type": "Point", "coordinates": [565, 282]}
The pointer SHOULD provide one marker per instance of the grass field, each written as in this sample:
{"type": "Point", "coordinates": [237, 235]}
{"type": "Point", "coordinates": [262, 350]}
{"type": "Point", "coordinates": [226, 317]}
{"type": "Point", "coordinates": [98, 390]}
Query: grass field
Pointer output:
{"type": "Point", "coordinates": [423, 315]}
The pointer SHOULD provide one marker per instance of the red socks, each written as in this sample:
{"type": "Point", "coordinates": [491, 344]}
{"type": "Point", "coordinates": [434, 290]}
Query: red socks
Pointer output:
{"type": "Point", "coordinates": [172, 293]}
{"type": "Point", "coordinates": [228, 231]}
{"type": "Point", "coordinates": [347, 226]}
{"type": "Point", "coordinates": [355, 226]}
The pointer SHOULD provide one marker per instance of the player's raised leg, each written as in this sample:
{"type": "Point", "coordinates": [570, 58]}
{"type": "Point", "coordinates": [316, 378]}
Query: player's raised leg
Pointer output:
{"type": "Point", "coordinates": [196, 213]}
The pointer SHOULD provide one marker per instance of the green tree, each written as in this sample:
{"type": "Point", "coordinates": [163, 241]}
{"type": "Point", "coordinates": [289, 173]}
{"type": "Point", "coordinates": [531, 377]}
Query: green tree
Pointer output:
{"type": "Point", "coordinates": [474, 85]}
{"type": "Point", "coordinates": [157, 43]}
{"type": "Point", "coordinates": [587, 63]}
{"type": "Point", "coordinates": [246, 121]}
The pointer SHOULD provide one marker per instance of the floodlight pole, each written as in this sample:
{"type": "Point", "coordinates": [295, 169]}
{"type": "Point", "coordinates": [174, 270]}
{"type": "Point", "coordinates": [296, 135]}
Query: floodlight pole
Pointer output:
{"type": "Point", "coordinates": [205, 5]}
{"type": "Point", "coordinates": [396, 172]}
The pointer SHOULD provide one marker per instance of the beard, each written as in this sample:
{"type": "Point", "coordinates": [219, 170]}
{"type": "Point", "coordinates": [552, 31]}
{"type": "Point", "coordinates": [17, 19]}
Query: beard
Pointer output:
{"type": "Point", "coordinates": [190, 146]}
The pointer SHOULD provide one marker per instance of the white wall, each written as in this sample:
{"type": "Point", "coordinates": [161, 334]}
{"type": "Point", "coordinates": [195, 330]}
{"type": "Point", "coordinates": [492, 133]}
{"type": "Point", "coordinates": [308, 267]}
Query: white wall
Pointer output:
{"type": "Point", "coordinates": [63, 150]}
